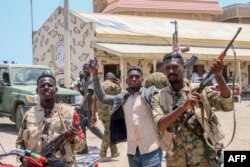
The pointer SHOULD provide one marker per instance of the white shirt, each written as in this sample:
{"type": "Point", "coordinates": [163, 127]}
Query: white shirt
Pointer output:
{"type": "Point", "coordinates": [141, 131]}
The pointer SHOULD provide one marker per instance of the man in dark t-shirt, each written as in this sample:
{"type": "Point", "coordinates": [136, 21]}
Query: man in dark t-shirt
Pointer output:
{"type": "Point", "coordinates": [86, 113]}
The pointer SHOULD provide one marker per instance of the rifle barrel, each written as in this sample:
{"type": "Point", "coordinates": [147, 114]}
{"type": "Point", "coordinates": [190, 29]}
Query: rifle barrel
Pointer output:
{"type": "Point", "coordinates": [221, 57]}
{"type": "Point", "coordinates": [223, 54]}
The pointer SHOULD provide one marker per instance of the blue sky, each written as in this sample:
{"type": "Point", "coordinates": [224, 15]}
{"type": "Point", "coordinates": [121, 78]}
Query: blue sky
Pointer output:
{"type": "Point", "coordinates": [15, 24]}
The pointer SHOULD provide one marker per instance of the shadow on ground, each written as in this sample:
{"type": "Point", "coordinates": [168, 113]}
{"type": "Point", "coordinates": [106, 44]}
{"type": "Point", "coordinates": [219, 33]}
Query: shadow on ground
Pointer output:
{"type": "Point", "coordinates": [8, 128]}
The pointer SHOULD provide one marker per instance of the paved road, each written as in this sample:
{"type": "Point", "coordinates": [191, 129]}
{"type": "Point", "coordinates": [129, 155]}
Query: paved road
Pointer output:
{"type": "Point", "coordinates": [241, 141]}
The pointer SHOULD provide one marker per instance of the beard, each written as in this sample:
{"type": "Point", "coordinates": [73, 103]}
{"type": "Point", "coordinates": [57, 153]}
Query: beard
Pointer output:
{"type": "Point", "coordinates": [134, 89]}
{"type": "Point", "coordinates": [173, 78]}
{"type": "Point", "coordinates": [176, 81]}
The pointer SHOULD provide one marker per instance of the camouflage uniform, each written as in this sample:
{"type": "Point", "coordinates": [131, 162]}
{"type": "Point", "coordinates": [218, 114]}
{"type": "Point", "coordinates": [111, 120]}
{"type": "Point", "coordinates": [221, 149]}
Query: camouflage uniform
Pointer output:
{"type": "Point", "coordinates": [104, 111]}
{"type": "Point", "coordinates": [37, 131]}
{"type": "Point", "coordinates": [189, 146]}
{"type": "Point", "coordinates": [158, 79]}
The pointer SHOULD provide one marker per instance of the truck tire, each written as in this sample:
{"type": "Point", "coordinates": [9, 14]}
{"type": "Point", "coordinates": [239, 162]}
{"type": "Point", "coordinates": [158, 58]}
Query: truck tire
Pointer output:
{"type": "Point", "coordinates": [19, 116]}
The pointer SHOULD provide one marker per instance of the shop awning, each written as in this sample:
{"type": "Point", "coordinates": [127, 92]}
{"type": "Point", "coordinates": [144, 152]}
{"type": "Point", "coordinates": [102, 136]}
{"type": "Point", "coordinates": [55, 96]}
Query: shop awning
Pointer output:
{"type": "Point", "coordinates": [139, 51]}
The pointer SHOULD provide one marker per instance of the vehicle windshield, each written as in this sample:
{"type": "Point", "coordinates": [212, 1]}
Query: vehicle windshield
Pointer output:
{"type": "Point", "coordinates": [27, 75]}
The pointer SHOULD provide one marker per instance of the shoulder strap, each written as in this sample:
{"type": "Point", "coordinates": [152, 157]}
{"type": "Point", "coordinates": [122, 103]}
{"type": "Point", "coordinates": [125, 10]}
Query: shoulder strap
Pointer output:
{"type": "Point", "coordinates": [234, 117]}
{"type": "Point", "coordinates": [59, 109]}
{"type": "Point", "coordinates": [209, 112]}
{"type": "Point", "coordinates": [166, 100]}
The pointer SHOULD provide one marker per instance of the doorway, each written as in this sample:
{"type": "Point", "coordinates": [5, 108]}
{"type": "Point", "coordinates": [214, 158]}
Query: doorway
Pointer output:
{"type": "Point", "coordinates": [114, 68]}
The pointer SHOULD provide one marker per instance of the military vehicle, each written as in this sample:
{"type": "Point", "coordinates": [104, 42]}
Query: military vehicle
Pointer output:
{"type": "Point", "coordinates": [18, 90]}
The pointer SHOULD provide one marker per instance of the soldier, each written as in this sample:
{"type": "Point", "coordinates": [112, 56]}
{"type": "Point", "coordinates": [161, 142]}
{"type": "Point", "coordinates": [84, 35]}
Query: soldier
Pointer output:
{"type": "Point", "coordinates": [43, 122]}
{"type": "Point", "coordinates": [111, 87]}
{"type": "Point", "coordinates": [158, 79]}
{"type": "Point", "coordinates": [189, 145]}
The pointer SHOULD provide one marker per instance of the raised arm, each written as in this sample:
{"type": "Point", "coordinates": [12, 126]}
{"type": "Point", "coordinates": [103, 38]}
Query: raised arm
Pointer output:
{"type": "Point", "coordinates": [100, 94]}
{"type": "Point", "coordinates": [224, 100]}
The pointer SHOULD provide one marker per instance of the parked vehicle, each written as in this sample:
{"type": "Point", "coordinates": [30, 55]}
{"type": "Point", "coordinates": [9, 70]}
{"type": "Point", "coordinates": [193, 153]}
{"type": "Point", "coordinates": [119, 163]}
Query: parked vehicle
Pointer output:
{"type": "Point", "coordinates": [237, 91]}
{"type": "Point", "coordinates": [18, 90]}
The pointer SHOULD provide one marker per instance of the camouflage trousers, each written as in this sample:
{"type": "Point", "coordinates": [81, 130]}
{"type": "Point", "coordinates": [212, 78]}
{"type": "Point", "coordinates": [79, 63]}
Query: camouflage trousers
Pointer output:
{"type": "Point", "coordinates": [85, 117]}
{"type": "Point", "coordinates": [105, 142]}
{"type": "Point", "coordinates": [199, 156]}
{"type": "Point", "coordinates": [182, 163]}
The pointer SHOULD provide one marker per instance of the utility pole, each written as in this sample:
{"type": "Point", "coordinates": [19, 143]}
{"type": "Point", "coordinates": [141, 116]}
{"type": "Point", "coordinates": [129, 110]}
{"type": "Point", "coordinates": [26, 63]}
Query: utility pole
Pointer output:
{"type": "Point", "coordinates": [66, 45]}
{"type": "Point", "coordinates": [32, 28]}
{"type": "Point", "coordinates": [31, 16]}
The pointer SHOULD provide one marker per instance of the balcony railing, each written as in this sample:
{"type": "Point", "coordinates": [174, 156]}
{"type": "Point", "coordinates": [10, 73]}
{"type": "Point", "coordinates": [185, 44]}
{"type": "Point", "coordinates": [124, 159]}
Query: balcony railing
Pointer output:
{"type": "Point", "coordinates": [234, 11]}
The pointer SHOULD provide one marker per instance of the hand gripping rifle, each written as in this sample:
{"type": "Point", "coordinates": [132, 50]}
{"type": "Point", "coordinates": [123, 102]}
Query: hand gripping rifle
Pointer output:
{"type": "Point", "coordinates": [57, 143]}
{"type": "Point", "coordinates": [175, 44]}
{"type": "Point", "coordinates": [221, 57]}
{"type": "Point", "coordinates": [210, 76]}
{"type": "Point", "coordinates": [176, 48]}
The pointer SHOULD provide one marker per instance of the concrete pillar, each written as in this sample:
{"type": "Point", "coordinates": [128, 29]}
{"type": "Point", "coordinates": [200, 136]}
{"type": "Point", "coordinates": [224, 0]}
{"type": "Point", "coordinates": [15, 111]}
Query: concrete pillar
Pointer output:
{"type": "Point", "coordinates": [66, 45]}
{"type": "Point", "coordinates": [155, 65]}
{"type": "Point", "coordinates": [122, 71]}
{"type": "Point", "coordinates": [239, 73]}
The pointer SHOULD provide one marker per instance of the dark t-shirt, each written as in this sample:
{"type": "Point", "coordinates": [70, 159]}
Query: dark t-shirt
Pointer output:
{"type": "Point", "coordinates": [87, 84]}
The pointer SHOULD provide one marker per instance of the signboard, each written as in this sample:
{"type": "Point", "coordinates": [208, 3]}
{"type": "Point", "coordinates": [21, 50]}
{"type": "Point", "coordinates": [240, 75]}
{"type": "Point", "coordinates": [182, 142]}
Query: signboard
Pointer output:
{"type": "Point", "coordinates": [59, 55]}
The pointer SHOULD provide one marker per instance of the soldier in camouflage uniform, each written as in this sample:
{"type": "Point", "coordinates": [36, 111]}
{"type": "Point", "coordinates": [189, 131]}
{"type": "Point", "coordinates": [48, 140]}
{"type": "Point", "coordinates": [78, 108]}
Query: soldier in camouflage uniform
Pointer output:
{"type": "Point", "coordinates": [43, 122]}
{"type": "Point", "coordinates": [189, 147]}
{"type": "Point", "coordinates": [158, 79]}
{"type": "Point", "coordinates": [111, 87]}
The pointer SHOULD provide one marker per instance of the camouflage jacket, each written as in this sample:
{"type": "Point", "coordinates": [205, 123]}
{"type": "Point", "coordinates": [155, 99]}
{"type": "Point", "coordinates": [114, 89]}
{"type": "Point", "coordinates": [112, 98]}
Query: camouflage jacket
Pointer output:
{"type": "Point", "coordinates": [164, 103]}
{"type": "Point", "coordinates": [167, 99]}
{"type": "Point", "coordinates": [37, 131]}
{"type": "Point", "coordinates": [118, 131]}
{"type": "Point", "coordinates": [104, 110]}
{"type": "Point", "coordinates": [158, 79]}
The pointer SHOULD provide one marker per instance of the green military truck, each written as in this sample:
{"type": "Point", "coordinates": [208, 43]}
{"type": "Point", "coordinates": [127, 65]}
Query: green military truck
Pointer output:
{"type": "Point", "coordinates": [18, 90]}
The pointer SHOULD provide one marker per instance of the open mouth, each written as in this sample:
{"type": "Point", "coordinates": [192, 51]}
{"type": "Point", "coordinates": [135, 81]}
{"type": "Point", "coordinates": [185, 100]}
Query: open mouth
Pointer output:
{"type": "Point", "coordinates": [47, 93]}
{"type": "Point", "coordinates": [171, 75]}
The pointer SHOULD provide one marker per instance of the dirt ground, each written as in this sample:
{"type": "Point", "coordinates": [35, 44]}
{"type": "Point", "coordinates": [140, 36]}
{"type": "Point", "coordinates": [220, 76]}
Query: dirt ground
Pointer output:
{"type": "Point", "coordinates": [241, 141]}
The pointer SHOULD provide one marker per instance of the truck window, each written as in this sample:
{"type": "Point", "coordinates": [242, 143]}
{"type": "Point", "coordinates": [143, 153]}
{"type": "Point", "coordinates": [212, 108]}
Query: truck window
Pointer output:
{"type": "Point", "coordinates": [2, 71]}
{"type": "Point", "coordinates": [27, 76]}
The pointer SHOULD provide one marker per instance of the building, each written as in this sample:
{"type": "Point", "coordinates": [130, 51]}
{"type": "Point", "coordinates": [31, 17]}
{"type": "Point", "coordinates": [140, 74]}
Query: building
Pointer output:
{"type": "Point", "coordinates": [236, 13]}
{"type": "Point", "coordinates": [179, 9]}
{"type": "Point", "coordinates": [117, 41]}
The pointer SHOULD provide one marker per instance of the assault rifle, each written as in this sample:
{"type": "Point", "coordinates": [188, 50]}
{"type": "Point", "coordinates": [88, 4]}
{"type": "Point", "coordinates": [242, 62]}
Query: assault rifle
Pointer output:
{"type": "Point", "coordinates": [175, 44]}
{"type": "Point", "coordinates": [210, 75]}
{"type": "Point", "coordinates": [221, 57]}
{"type": "Point", "coordinates": [176, 48]}
{"type": "Point", "coordinates": [57, 143]}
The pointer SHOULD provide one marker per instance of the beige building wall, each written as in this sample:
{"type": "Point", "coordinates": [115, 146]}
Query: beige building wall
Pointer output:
{"type": "Point", "coordinates": [48, 51]}
{"type": "Point", "coordinates": [107, 58]}
{"type": "Point", "coordinates": [48, 46]}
